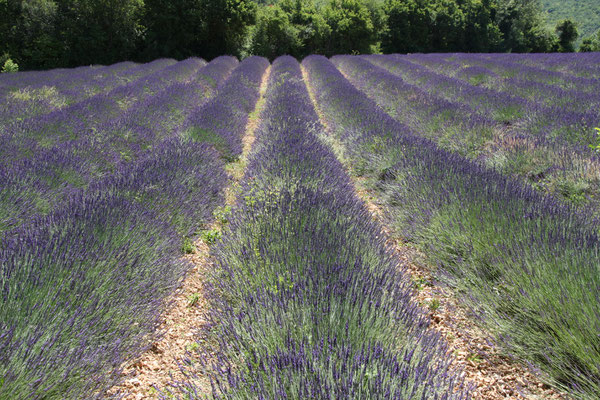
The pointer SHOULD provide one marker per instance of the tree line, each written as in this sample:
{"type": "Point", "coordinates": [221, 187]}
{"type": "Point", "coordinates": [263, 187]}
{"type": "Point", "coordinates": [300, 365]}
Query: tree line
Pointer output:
{"type": "Point", "coordinates": [39, 34]}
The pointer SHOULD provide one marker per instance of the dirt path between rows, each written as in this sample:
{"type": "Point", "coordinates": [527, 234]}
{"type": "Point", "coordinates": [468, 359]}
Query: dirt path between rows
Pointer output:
{"type": "Point", "coordinates": [188, 307]}
{"type": "Point", "coordinates": [493, 375]}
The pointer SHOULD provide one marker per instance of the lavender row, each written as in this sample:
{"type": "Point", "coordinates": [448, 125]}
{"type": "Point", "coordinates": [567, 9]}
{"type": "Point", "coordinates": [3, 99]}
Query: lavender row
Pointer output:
{"type": "Point", "coordinates": [580, 64]}
{"type": "Point", "coordinates": [47, 96]}
{"type": "Point", "coordinates": [102, 263]}
{"type": "Point", "coordinates": [75, 77]}
{"type": "Point", "coordinates": [552, 123]}
{"type": "Point", "coordinates": [222, 120]}
{"type": "Point", "coordinates": [36, 179]}
{"type": "Point", "coordinates": [559, 159]}
{"type": "Point", "coordinates": [82, 288]}
{"type": "Point", "coordinates": [309, 302]}
{"type": "Point", "coordinates": [39, 78]}
{"type": "Point", "coordinates": [455, 126]}
{"type": "Point", "coordinates": [533, 89]}
{"type": "Point", "coordinates": [507, 67]}
{"type": "Point", "coordinates": [161, 115]}
{"type": "Point", "coordinates": [566, 171]}
{"type": "Point", "coordinates": [502, 107]}
{"type": "Point", "coordinates": [538, 85]}
{"type": "Point", "coordinates": [149, 85]}
{"type": "Point", "coordinates": [527, 262]}
{"type": "Point", "coordinates": [86, 115]}
{"type": "Point", "coordinates": [101, 113]}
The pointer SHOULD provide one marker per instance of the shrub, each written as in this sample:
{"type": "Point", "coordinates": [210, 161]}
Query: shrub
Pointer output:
{"type": "Point", "coordinates": [10, 66]}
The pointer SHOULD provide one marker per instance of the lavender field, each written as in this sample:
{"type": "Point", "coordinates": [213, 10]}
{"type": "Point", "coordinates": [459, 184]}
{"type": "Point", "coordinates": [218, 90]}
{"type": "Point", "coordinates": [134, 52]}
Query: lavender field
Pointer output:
{"type": "Point", "coordinates": [486, 164]}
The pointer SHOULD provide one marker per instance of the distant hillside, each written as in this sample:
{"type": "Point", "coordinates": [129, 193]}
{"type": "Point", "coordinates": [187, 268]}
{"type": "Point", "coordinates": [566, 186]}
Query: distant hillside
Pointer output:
{"type": "Point", "coordinates": [586, 13]}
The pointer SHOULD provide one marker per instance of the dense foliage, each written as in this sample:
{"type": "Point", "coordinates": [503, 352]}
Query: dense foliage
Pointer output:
{"type": "Point", "coordinates": [567, 34]}
{"type": "Point", "coordinates": [37, 34]}
{"type": "Point", "coordinates": [591, 43]}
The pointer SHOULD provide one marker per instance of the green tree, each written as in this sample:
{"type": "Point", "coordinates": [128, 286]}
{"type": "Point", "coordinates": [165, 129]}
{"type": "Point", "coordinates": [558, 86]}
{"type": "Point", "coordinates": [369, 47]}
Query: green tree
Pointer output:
{"type": "Point", "coordinates": [29, 32]}
{"type": "Point", "coordinates": [9, 66]}
{"type": "Point", "coordinates": [377, 15]}
{"type": "Point", "coordinates": [587, 45]}
{"type": "Point", "coordinates": [482, 33]}
{"type": "Point", "coordinates": [522, 26]}
{"type": "Point", "coordinates": [591, 43]}
{"type": "Point", "coordinates": [42, 46]}
{"type": "Point", "coordinates": [447, 26]}
{"type": "Point", "coordinates": [205, 28]}
{"type": "Point", "coordinates": [274, 34]}
{"type": "Point", "coordinates": [9, 13]}
{"type": "Point", "coordinates": [99, 31]}
{"type": "Point", "coordinates": [171, 28]}
{"type": "Point", "coordinates": [313, 31]}
{"type": "Point", "coordinates": [293, 27]}
{"type": "Point", "coordinates": [351, 28]}
{"type": "Point", "coordinates": [440, 25]}
{"type": "Point", "coordinates": [567, 35]}
{"type": "Point", "coordinates": [223, 26]}
{"type": "Point", "coordinates": [407, 27]}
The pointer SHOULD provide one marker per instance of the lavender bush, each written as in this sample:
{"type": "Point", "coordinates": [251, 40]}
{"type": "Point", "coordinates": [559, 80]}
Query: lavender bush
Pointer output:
{"type": "Point", "coordinates": [309, 302]}
{"type": "Point", "coordinates": [47, 157]}
{"type": "Point", "coordinates": [553, 122]}
{"type": "Point", "coordinates": [221, 121]}
{"type": "Point", "coordinates": [30, 98]}
{"type": "Point", "coordinates": [105, 171]}
{"type": "Point", "coordinates": [88, 255]}
{"type": "Point", "coordinates": [534, 84]}
{"type": "Point", "coordinates": [528, 262]}
{"type": "Point", "coordinates": [82, 288]}
{"type": "Point", "coordinates": [553, 166]}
